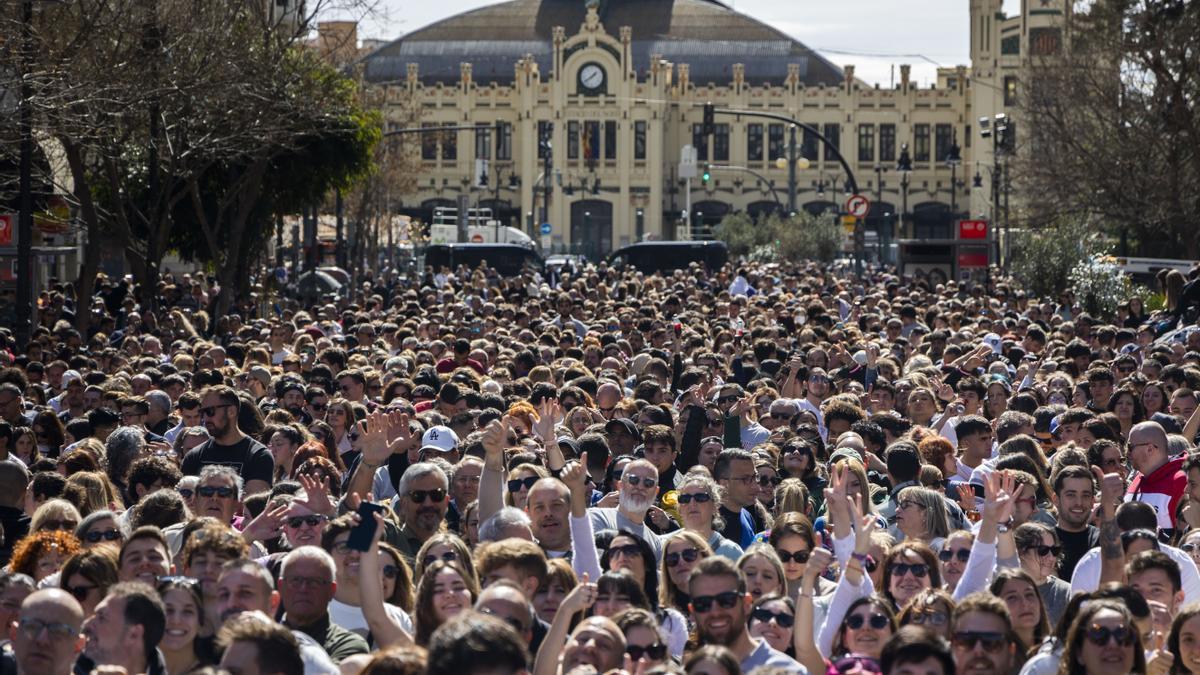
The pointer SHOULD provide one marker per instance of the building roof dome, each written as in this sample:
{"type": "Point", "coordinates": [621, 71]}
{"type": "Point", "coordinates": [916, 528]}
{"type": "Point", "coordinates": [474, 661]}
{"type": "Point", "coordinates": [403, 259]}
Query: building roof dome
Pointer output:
{"type": "Point", "coordinates": [705, 34]}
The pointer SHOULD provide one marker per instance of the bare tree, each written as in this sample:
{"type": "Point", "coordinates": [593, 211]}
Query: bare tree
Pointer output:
{"type": "Point", "coordinates": [1114, 132]}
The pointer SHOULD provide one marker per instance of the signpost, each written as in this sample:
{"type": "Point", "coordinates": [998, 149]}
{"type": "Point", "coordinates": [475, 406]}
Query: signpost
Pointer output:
{"type": "Point", "coordinates": [858, 206]}
{"type": "Point", "coordinates": [687, 171]}
{"type": "Point", "coordinates": [545, 229]}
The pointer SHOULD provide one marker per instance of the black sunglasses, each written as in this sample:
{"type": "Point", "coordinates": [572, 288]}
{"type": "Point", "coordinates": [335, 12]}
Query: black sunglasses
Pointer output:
{"type": "Point", "coordinates": [312, 521]}
{"type": "Point", "coordinates": [1045, 550]}
{"type": "Point", "coordinates": [95, 535]}
{"type": "Point", "coordinates": [856, 621]}
{"type": "Point", "coordinates": [785, 557]}
{"type": "Point", "coordinates": [728, 399]}
{"type": "Point", "coordinates": [80, 592]}
{"type": "Point", "coordinates": [185, 493]}
{"type": "Point", "coordinates": [628, 550]}
{"type": "Point", "coordinates": [963, 555]}
{"type": "Point", "coordinates": [700, 497]}
{"type": "Point", "coordinates": [655, 652]}
{"type": "Point", "coordinates": [1101, 635]}
{"type": "Point", "coordinates": [782, 619]}
{"type": "Point", "coordinates": [515, 484]}
{"type": "Point", "coordinates": [919, 570]}
{"type": "Point", "coordinates": [968, 639]}
{"type": "Point", "coordinates": [702, 604]}
{"type": "Point", "coordinates": [690, 555]}
{"type": "Point", "coordinates": [769, 481]}
{"type": "Point", "coordinates": [418, 496]}
{"type": "Point", "coordinates": [390, 571]}
{"type": "Point", "coordinates": [222, 492]}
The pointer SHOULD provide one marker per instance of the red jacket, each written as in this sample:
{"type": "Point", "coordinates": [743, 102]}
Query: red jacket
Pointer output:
{"type": "Point", "coordinates": [1162, 489]}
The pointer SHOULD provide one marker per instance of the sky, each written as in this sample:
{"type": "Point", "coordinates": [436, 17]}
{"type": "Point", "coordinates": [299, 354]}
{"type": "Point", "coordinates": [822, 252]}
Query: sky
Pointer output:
{"type": "Point", "coordinates": [873, 35]}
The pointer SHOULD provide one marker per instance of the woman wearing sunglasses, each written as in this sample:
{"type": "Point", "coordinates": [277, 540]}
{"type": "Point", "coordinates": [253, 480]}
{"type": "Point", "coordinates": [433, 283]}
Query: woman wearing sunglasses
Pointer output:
{"type": "Point", "coordinates": [698, 498]}
{"type": "Point", "coordinates": [644, 641]}
{"type": "Point", "coordinates": [446, 547]}
{"type": "Point", "coordinates": [87, 576]}
{"type": "Point", "coordinates": [772, 618]}
{"type": "Point", "coordinates": [793, 540]}
{"type": "Point", "coordinates": [1039, 549]}
{"type": "Point", "coordinates": [1103, 640]}
{"type": "Point", "coordinates": [680, 554]}
{"type": "Point", "coordinates": [931, 609]}
{"type": "Point", "coordinates": [520, 480]}
{"type": "Point", "coordinates": [954, 556]}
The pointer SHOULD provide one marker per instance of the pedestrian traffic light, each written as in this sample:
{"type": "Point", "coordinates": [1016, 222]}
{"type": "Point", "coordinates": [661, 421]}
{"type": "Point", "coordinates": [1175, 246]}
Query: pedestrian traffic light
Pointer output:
{"type": "Point", "coordinates": [709, 126]}
{"type": "Point", "coordinates": [707, 173]}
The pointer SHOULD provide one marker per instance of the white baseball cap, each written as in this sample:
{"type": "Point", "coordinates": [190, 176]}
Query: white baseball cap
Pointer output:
{"type": "Point", "coordinates": [440, 438]}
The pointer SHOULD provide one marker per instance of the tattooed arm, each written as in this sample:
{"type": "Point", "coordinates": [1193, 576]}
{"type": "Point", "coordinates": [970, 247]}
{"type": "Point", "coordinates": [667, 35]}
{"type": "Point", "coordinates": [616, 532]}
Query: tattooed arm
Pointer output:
{"type": "Point", "coordinates": [1112, 553]}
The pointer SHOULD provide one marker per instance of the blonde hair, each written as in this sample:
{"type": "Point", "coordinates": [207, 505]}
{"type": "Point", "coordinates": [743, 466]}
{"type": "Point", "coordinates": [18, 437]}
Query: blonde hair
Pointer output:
{"type": "Point", "coordinates": [936, 522]}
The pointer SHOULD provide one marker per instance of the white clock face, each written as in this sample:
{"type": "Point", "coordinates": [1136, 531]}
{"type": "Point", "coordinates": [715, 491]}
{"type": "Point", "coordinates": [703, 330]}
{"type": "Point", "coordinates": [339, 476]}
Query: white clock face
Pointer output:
{"type": "Point", "coordinates": [591, 76]}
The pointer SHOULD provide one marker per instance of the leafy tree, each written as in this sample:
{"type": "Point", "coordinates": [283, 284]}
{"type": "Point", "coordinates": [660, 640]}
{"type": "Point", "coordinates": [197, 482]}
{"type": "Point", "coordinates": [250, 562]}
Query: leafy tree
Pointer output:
{"type": "Point", "coordinates": [1043, 259]}
{"type": "Point", "coordinates": [804, 236]}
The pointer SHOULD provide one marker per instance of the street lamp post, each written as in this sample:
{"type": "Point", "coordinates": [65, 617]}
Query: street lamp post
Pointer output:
{"type": "Point", "coordinates": [792, 162]}
{"type": "Point", "coordinates": [904, 166]}
{"type": "Point", "coordinates": [24, 327]}
{"type": "Point", "coordinates": [953, 159]}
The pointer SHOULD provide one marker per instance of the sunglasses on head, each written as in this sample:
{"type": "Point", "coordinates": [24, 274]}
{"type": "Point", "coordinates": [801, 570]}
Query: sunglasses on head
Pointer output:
{"type": "Point", "coordinates": [655, 652]}
{"type": "Point", "coordinates": [918, 570]}
{"type": "Point", "coordinates": [209, 491]}
{"type": "Point", "coordinates": [644, 482]}
{"type": "Point", "coordinates": [857, 621]}
{"type": "Point", "coordinates": [702, 604]}
{"type": "Point", "coordinates": [1101, 635]}
{"type": "Point", "coordinates": [782, 619]}
{"type": "Point", "coordinates": [689, 555]}
{"type": "Point", "coordinates": [516, 484]}
{"type": "Point", "coordinates": [699, 497]}
{"type": "Point", "coordinates": [312, 521]}
{"type": "Point", "coordinates": [418, 496]}
{"type": "Point", "coordinates": [95, 535]}
{"type": "Point", "coordinates": [968, 639]}
{"type": "Point", "coordinates": [946, 555]}
{"type": "Point", "coordinates": [800, 557]}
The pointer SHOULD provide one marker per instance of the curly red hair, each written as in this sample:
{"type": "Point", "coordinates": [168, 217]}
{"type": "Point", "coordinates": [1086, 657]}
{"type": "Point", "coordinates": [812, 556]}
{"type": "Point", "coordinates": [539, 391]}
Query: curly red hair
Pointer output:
{"type": "Point", "coordinates": [27, 552]}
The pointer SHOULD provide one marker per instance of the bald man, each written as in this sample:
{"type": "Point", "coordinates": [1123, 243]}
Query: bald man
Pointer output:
{"type": "Point", "coordinates": [1161, 481]}
{"type": "Point", "coordinates": [45, 636]}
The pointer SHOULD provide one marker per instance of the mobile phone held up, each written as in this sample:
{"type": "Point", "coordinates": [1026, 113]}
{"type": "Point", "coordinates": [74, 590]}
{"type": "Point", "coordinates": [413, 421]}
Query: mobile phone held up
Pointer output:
{"type": "Point", "coordinates": [364, 531]}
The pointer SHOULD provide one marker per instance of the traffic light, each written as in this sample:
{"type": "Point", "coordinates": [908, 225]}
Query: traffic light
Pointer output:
{"type": "Point", "coordinates": [709, 126]}
{"type": "Point", "coordinates": [707, 174]}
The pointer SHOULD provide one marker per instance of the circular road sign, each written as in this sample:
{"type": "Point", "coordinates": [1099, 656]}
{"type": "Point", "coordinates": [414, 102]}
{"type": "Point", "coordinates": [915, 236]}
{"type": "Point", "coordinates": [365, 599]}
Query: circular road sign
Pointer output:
{"type": "Point", "coordinates": [858, 206]}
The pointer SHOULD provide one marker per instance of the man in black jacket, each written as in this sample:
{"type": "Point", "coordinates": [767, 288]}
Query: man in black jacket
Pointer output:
{"type": "Point", "coordinates": [14, 480]}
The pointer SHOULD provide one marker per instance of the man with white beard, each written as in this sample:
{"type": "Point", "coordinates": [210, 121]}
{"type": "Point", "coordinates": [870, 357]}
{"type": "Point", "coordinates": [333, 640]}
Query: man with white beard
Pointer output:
{"type": "Point", "coordinates": [636, 491]}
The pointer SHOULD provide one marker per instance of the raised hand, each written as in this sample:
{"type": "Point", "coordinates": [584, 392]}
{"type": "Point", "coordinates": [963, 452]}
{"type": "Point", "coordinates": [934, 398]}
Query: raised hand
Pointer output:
{"type": "Point", "coordinates": [865, 524]}
{"type": "Point", "coordinates": [373, 439]}
{"type": "Point", "coordinates": [316, 492]}
{"type": "Point", "coordinates": [268, 524]}
{"type": "Point", "coordinates": [1000, 494]}
{"type": "Point", "coordinates": [575, 475]}
{"type": "Point", "coordinates": [495, 440]}
{"type": "Point", "coordinates": [1112, 488]}
{"type": "Point", "coordinates": [580, 598]}
{"type": "Point", "coordinates": [399, 433]}
{"type": "Point", "coordinates": [818, 560]}
{"type": "Point", "coordinates": [549, 416]}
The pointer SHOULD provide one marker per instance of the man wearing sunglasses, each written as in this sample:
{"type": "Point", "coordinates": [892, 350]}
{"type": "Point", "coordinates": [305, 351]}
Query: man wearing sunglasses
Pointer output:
{"type": "Point", "coordinates": [636, 491]}
{"type": "Point", "coordinates": [981, 640]}
{"type": "Point", "coordinates": [721, 608]}
{"type": "Point", "coordinates": [229, 446]}
{"type": "Point", "coordinates": [422, 503]}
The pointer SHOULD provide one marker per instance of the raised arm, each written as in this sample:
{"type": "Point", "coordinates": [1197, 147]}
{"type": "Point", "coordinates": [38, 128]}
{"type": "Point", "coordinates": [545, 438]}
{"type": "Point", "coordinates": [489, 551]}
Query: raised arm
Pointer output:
{"type": "Point", "coordinates": [1112, 553]}
{"type": "Point", "coordinates": [1000, 498]}
{"type": "Point", "coordinates": [387, 632]}
{"type": "Point", "coordinates": [579, 599]}
{"type": "Point", "coordinates": [854, 584]}
{"type": "Point", "coordinates": [491, 483]}
{"type": "Point", "coordinates": [803, 641]}
{"type": "Point", "coordinates": [376, 448]}
{"type": "Point", "coordinates": [584, 557]}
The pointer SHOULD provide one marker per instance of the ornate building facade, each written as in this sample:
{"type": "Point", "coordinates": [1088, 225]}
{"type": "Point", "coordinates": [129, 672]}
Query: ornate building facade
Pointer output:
{"type": "Point", "coordinates": [618, 88]}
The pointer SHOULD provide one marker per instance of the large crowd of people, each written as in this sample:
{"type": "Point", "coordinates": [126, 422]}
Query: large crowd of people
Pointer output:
{"type": "Point", "coordinates": [767, 468]}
